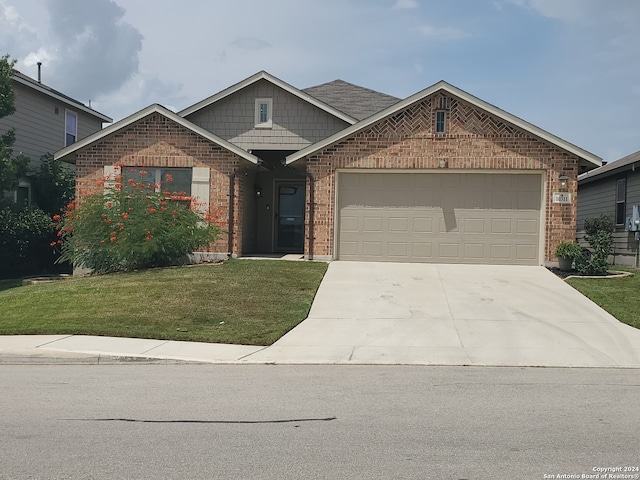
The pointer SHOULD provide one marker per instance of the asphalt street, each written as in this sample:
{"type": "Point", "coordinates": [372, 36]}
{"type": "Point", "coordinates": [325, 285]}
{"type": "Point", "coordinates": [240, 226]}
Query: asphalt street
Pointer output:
{"type": "Point", "coordinates": [141, 421]}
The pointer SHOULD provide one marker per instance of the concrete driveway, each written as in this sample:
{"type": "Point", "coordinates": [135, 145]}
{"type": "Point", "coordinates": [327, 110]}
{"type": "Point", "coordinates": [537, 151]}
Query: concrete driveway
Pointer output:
{"type": "Point", "coordinates": [396, 313]}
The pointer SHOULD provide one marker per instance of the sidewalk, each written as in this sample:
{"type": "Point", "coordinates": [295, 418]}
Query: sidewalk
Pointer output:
{"type": "Point", "coordinates": [82, 349]}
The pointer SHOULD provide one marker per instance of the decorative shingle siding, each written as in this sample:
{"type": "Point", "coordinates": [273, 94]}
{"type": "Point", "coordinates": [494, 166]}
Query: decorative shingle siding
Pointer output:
{"type": "Point", "coordinates": [296, 123]}
{"type": "Point", "coordinates": [156, 141]}
{"type": "Point", "coordinates": [474, 140]}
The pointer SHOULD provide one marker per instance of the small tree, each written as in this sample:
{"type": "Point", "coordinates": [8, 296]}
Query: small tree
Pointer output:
{"type": "Point", "coordinates": [122, 228]}
{"type": "Point", "coordinates": [599, 235]}
{"type": "Point", "coordinates": [53, 185]}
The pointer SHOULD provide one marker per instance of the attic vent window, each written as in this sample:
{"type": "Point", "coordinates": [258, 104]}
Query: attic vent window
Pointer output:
{"type": "Point", "coordinates": [444, 103]}
{"type": "Point", "coordinates": [264, 107]}
{"type": "Point", "coordinates": [441, 121]}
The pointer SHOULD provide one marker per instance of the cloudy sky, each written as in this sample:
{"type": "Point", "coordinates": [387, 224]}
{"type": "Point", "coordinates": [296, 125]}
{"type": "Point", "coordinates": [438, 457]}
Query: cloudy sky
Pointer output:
{"type": "Point", "coordinates": [571, 67]}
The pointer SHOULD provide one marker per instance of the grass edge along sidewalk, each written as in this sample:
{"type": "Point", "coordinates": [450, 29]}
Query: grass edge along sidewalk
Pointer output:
{"type": "Point", "coordinates": [245, 302]}
{"type": "Point", "coordinates": [618, 296]}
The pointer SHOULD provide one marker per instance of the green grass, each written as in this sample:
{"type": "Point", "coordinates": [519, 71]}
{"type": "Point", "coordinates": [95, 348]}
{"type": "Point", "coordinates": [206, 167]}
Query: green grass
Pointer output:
{"type": "Point", "coordinates": [249, 302]}
{"type": "Point", "coordinates": [618, 296]}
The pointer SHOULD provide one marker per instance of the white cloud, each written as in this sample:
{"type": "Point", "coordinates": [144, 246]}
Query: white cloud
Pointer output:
{"type": "Point", "coordinates": [405, 5]}
{"type": "Point", "coordinates": [442, 33]}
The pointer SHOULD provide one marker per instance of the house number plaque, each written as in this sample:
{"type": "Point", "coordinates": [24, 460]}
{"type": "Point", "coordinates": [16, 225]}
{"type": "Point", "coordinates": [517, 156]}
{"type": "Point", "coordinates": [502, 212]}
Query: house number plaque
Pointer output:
{"type": "Point", "coordinates": [561, 197]}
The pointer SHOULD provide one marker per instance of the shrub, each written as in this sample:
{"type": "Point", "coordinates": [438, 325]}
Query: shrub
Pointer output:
{"type": "Point", "coordinates": [568, 250]}
{"type": "Point", "coordinates": [599, 235]}
{"type": "Point", "coordinates": [135, 227]}
{"type": "Point", "coordinates": [54, 185]}
{"type": "Point", "coordinates": [25, 236]}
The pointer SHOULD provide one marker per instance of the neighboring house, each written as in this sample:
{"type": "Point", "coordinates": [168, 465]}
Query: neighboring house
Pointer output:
{"type": "Point", "coordinates": [341, 172]}
{"type": "Point", "coordinates": [45, 121]}
{"type": "Point", "coordinates": [613, 190]}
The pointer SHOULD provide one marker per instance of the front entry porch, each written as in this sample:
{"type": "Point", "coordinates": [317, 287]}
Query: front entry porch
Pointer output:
{"type": "Point", "coordinates": [274, 204]}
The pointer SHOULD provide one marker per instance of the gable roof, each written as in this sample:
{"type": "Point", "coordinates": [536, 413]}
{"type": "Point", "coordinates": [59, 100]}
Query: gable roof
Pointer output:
{"type": "Point", "coordinates": [262, 75]}
{"type": "Point", "coordinates": [444, 86]}
{"type": "Point", "coordinates": [356, 101]}
{"type": "Point", "coordinates": [630, 162]}
{"type": "Point", "coordinates": [154, 108]}
{"type": "Point", "coordinates": [23, 79]}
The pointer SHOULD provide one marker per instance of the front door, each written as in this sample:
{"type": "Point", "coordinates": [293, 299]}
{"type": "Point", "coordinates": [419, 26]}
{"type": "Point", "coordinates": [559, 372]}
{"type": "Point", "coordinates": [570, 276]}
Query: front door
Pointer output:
{"type": "Point", "coordinates": [289, 217]}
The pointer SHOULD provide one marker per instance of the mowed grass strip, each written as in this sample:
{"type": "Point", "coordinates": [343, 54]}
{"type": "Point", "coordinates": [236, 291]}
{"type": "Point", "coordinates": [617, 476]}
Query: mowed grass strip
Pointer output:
{"type": "Point", "coordinates": [248, 302]}
{"type": "Point", "coordinates": [618, 296]}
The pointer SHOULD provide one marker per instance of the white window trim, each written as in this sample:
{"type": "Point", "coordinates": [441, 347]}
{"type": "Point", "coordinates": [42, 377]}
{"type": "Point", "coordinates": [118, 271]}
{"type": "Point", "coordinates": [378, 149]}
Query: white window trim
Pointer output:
{"type": "Point", "coordinates": [66, 132]}
{"type": "Point", "coordinates": [199, 183]}
{"type": "Point", "coordinates": [269, 122]}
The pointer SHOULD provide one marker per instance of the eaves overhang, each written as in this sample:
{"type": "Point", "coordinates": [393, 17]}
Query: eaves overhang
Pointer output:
{"type": "Point", "coordinates": [62, 98]}
{"type": "Point", "coordinates": [446, 87]}
{"type": "Point", "coordinates": [67, 154]}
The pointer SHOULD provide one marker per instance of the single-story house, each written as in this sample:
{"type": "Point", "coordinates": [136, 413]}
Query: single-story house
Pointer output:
{"type": "Point", "coordinates": [341, 172]}
{"type": "Point", "coordinates": [614, 190]}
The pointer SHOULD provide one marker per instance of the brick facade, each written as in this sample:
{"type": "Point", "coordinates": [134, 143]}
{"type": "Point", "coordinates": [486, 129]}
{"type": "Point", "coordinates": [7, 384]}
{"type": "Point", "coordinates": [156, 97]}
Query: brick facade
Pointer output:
{"type": "Point", "coordinates": [156, 141]}
{"type": "Point", "coordinates": [473, 140]}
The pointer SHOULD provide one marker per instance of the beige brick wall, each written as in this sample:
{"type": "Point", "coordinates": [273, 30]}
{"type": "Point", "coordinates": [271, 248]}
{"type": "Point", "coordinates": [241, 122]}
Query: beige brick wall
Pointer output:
{"type": "Point", "coordinates": [474, 140]}
{"type": "Point", "coordinates": [156, 141]}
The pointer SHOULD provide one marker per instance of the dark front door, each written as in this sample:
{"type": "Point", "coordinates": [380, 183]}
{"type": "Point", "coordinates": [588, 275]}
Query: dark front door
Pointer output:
{"type": "Point", "coordinates": [290, 217]}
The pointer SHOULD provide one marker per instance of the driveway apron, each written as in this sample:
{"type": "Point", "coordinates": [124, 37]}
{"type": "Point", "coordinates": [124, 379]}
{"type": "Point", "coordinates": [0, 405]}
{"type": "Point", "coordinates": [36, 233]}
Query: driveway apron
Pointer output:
{"type": "Point", "coordinates": [401, 313]}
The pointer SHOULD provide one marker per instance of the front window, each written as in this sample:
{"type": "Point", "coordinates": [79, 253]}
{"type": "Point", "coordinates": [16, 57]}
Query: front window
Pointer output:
{"type": "Point", "coordinates": [441, 121]}
{"type": "Point", "coordinates": [70, 128]}
{"type": "Point", "coordinates": [621, 201]}
{"type": "Point", "coordinates": [264, 112]}
{"type": "Point", "coordinates": [23, 194]}
{"type": "Point", "coordinates": [176, 181]}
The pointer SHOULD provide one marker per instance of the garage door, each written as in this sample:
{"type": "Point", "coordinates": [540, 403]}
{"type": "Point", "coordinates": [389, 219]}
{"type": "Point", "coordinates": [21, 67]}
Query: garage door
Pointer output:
{"type": "Point", "coordinates": [491, 218]}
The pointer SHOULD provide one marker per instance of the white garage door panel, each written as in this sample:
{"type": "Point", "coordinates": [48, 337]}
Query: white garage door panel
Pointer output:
{"type": "Point", "coordinates": [448, 218]}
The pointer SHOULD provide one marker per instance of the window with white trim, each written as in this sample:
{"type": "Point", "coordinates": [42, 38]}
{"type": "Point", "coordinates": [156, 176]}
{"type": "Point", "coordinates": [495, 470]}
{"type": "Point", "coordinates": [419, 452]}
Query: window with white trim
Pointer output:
{"type": "Point", "coordinates": [441, 121]}
{"type": "Point", "coordinates": [176, 181]}
{"type": "Point", "coordinates": [264, 114]}
{"type": "Point", "coordinates": [23, 194]}
{"type": "Point", "coordinates": [621, 200]}
{"type": "Point", "coordinates": [70, 127]}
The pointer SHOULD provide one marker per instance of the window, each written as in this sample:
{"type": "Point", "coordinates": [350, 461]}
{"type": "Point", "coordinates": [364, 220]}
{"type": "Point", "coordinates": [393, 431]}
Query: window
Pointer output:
{"type": "Point", "coordinates": [440, 121]}
{"type": "Point", "coordinates": [23, 194]}
{"type": "Point", "coordinates": [174, 180]}
{"type": "Point", "coordinates": [70, 127]}
{"type": "Point", "coordinates": [621, 201]}
{"type": "Point", "coordinates": [264, 112]}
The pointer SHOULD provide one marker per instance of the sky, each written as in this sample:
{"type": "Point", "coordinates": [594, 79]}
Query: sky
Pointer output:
{"type": "Point", "coordinates": [571, 67]}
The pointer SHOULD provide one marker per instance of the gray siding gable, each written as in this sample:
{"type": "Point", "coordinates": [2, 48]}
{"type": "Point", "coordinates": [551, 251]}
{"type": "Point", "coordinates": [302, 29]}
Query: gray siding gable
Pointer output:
{"type": "Point", "coordinates": [295, 123]}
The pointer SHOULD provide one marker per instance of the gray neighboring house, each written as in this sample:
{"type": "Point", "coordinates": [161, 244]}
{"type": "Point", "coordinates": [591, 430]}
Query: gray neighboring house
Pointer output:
{"type": "Point", "coordinates": [45, 121]}
{"type": "Point", "coordinates": [613, 190]}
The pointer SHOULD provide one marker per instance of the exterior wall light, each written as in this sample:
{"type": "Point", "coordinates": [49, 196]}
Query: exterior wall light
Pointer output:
{"type": "Point", "coordinates": [564, 182]}
{"type": "Point", "coordinates": [258, 191]}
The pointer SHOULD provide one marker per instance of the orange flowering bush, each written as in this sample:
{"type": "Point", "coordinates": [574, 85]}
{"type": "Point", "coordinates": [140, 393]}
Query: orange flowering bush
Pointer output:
{"type": "Point", "coordinates": [132, 226]}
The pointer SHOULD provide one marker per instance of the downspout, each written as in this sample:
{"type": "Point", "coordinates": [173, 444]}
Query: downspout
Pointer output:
{"type": "Point", "coordinates": [311, 212]}
{"type": "Point", "coordinates": [232, 201]}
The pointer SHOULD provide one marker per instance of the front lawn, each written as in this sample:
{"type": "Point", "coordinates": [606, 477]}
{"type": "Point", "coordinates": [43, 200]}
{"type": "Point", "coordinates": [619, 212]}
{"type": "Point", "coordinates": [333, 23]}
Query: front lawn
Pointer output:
{"type": "Point", "coordinates": [249, 302]}
{"type": "Point", "coordinates": [618, 296]}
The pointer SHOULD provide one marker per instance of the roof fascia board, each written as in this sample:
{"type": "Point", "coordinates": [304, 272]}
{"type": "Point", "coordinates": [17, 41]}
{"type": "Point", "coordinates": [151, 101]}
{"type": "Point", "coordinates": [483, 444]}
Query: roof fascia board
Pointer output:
{"type": "Point", "coordinates": [442, 85]}
{"type": "Point", "coordinates": [629, 163]}
{"type": "Point", "coordinates": [155, 108]}
{"type": "Point", "coordinates": [78, 106]}
{"type": "Point", "coordinates": [276, 81]}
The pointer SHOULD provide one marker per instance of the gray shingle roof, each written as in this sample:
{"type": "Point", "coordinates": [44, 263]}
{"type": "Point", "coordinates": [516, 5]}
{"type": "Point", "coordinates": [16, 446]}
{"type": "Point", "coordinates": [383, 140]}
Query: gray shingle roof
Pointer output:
{"type": "Point", "coordinates": [358, 102]}
{"type": "Point", "coordinates": [630, 162]}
